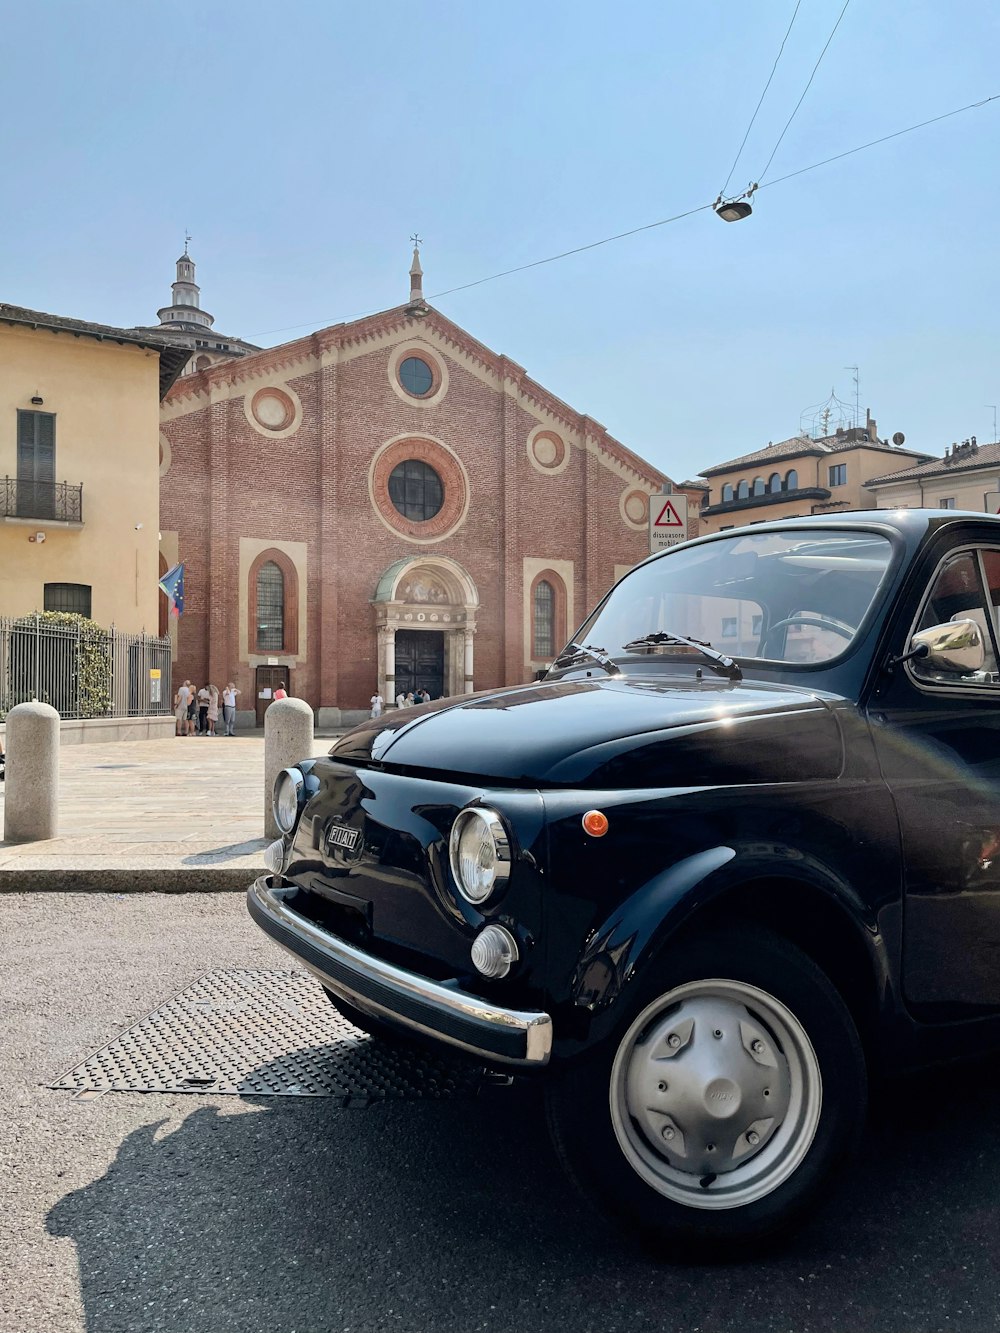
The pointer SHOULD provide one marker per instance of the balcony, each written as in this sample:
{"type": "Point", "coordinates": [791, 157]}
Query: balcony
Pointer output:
{"type": "Point", "coordinates": [41, 501]}
{"type": "Point", "coordinates": [768, 498]}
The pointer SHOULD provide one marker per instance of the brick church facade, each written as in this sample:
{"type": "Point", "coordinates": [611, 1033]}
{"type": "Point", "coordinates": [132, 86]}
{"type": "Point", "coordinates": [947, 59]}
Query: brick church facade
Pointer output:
{"type": "Point", "coordinates": [385, 504]}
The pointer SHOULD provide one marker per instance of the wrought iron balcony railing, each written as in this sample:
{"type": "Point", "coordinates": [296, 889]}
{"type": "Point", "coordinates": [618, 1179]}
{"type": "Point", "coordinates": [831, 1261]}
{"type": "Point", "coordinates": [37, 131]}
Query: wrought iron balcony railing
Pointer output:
{"type": "Point", "coordinates": [56, 501]}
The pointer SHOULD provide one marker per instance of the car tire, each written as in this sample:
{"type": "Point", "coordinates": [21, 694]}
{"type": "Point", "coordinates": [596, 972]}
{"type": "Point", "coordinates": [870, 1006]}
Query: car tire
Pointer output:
{"type": "Point", "coordinates": [375, 1027]}
{"type": "Point", "coordinates": [732, 1035]}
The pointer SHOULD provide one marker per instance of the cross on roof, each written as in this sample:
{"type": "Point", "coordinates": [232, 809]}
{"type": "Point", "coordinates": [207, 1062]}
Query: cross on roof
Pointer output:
{"type": "Point", "coordinates": [416, 241]}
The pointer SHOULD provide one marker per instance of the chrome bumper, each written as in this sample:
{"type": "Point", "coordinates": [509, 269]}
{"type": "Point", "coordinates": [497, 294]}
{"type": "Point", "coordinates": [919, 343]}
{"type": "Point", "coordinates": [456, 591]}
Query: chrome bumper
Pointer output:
{"type": "Point", "coordinates": [506, 1036]}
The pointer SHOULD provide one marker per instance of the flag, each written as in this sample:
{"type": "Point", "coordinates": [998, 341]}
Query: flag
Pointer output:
{"type": "Point", "coordinates": [172, 585]}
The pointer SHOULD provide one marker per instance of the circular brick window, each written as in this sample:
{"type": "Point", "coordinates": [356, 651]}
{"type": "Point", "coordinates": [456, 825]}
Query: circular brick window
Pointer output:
{"type": "Point", "coordinates": [548, 449]}
{"type": "Point", "coordinates": [416, 490]}
{"type": "Point", "coordinates": [419, 488]}
{"type": "Point", "coordinates": [272, 409]}
{"type": "Point", "coordinates": [416, 376]}
{"type": "Point", "coordinates": [637, 506]}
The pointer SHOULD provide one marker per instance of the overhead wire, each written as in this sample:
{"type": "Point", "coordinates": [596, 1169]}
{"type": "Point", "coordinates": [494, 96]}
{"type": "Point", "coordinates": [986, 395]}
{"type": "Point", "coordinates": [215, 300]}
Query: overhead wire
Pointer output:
{"type": "Point", "coordinates": [663, 222]}
{"type": "Point", "coordinates": [804, 91]}
{"type": "Point", "coordinates": [762, 96]}
{"type": "Point", "coordinates": [873, 143]}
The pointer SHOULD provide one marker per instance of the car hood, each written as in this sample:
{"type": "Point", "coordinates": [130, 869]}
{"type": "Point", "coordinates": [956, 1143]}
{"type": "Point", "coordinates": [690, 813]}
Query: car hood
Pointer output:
{"type": "Point", "coordinates": [613, 732]}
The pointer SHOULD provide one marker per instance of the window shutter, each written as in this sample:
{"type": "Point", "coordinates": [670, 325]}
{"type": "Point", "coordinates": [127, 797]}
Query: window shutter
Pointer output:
{"type": "Point", "coordinates": [45, 446]}
{"type": "Point", "coordinates": [36, 446]}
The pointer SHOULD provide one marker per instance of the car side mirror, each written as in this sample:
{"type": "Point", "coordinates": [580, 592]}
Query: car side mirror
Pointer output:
{"type": "Point", "coordinates": [956, 646]}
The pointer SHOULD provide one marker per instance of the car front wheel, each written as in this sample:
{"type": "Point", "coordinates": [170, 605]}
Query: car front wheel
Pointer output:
{"type": "Point", "coordinates": [717, 1116]}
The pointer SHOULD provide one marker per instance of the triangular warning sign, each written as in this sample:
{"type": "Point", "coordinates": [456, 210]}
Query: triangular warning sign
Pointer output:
{"type": "Point", "coordinates": [669, 517]}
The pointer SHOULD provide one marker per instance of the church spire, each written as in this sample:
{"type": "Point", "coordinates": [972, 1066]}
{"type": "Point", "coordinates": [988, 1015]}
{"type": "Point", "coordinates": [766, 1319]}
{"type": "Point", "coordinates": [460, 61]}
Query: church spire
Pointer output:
{"type": "Point", "coordinates": [416, 304]}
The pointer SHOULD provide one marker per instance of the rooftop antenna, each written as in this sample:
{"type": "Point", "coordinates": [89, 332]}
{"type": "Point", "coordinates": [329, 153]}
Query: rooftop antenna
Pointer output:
{"type": "Point", "coordinates": [857, 394]}
{"type": "Point", "coordinates": [994, 406]}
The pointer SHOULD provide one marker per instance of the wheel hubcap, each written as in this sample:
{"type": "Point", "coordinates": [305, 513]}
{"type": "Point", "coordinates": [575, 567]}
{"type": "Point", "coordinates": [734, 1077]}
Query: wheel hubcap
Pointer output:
{"type": "Point", "coordinates": [715, 1094]}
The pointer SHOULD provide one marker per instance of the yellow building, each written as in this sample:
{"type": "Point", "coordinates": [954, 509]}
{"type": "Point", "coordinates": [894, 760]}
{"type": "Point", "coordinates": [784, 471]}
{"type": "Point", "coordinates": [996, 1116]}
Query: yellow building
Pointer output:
{"type": "Point", "coordinates": [79, 467]}
{"type": "Point", "coordinates": [801, 476]}
{"type": "Point", "coordinates": [968, 477]}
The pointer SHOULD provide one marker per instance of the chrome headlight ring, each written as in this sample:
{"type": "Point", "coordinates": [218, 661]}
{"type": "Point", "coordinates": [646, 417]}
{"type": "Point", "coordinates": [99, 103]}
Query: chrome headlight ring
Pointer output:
{"type": "Point", "coordinates": [479, 852]}
{"type": "Point", "coordinates": [288, 798]}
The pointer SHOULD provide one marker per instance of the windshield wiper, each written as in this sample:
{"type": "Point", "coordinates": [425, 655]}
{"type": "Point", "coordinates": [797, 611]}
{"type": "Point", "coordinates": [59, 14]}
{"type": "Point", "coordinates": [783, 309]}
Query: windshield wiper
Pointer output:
{"type": "Point", "coordinates": [586, 652]}
{"type": "Point", "coordinates": [724, 665]}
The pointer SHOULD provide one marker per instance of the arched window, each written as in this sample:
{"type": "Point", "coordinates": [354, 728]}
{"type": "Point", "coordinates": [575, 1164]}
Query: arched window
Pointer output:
{"type": "Point", "coordinates": [792, 481]}
{"type": "Point", "coordinates": [743, 491]}
{"type": "Point", "coordinates": [544, 611]}
{"type": "Point", "coordinates": [774, 485]}
{"type": "Point", "coordinates": [270, 608]}
{"type": "Point", "coordinates": [273, 604]}
{"type": "Point", "coordinates": [727, 493]}
{"type": "Point", "coordinates": [547, 606]}
{"type": "Point", "coordinates": [758, 485]}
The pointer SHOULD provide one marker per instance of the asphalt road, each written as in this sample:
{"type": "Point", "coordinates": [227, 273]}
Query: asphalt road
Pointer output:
{"type": "Point", "coordinates": [181, 1214]}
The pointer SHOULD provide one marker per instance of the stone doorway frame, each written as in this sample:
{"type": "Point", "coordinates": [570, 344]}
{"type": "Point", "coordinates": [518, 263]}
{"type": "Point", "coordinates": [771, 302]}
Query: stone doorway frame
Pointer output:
{"type": "Point", "coordinates": [445, 599]}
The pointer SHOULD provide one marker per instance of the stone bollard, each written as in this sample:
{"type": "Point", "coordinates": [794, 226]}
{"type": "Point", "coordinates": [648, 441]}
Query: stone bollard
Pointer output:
{"type": "Point", "coordinates": [31, 803]}
{"type": "Point", "coordinates": [288, 737]}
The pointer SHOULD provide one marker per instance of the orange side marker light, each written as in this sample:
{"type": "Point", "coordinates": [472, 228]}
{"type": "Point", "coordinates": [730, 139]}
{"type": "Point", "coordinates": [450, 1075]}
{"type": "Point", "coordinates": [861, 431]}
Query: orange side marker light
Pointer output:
{"type": "Point", "coordinates": [595, 822]}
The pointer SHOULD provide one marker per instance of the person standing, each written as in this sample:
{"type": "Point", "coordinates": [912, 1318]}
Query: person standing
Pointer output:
{"type": "Point", "coordinates": [204, 698]}
{"type": "Point", "coordinates": [213, 709]}
{"type": "Point", "coordinates": [400, 700]}
{"type": "Point", "coordinates": [229, 696]}
{"type": "Point", "coordinates": [181, 700]}
{"type": "Point", "coordinates": [281, 692]}
{"type": "Point", "coordinates": [192, 713]}
{"type": "Point", "coordinates": [377, 704]}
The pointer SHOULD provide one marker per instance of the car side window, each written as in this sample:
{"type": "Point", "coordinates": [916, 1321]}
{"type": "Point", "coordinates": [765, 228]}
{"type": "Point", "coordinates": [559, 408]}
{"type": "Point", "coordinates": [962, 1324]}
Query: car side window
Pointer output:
{"type": "Point", "coordinates": [960, 591]}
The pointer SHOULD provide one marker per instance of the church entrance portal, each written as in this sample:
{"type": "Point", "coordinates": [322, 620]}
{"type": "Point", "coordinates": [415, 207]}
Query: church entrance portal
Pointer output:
{"type": "Point", "coordinates": [425, 619]}
{"type": "Point", "coordinates": [420, 661]}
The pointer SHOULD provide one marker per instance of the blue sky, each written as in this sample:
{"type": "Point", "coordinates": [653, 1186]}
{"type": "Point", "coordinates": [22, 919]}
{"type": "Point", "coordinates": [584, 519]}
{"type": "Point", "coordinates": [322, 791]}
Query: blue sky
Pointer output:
{"type": "Point", "coordinates": [302, 143]}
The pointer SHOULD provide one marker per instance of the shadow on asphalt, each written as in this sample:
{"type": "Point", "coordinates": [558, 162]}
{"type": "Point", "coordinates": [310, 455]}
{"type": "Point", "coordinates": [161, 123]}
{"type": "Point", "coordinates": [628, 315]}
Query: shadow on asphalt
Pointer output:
{"type": "Point", "coordinates": [453, 1215]}
{"type": "Point", "coordinates": [209, 855]}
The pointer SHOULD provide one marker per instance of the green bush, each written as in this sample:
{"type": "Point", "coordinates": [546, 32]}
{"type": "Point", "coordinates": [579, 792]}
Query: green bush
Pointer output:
{"type": "Point", "coordinates": [79, 665]}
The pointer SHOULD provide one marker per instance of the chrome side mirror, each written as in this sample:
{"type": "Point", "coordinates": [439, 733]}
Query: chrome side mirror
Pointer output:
{"type": "Point", "coordinates": [957, 647]}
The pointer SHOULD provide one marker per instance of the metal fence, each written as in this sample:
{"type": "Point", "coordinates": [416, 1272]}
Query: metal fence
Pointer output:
{"type": "Point", "coordinates": [81, 672]}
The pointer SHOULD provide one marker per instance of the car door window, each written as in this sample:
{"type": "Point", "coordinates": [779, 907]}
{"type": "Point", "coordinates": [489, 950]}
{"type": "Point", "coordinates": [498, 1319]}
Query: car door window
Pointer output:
{"type": "Point", "coordinates": [960, 592]}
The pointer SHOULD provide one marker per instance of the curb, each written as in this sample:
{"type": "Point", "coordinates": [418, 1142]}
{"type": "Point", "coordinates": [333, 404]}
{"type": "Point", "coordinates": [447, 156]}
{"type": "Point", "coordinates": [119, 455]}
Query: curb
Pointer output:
{"type": "Point", "coordinates": [166, 879]}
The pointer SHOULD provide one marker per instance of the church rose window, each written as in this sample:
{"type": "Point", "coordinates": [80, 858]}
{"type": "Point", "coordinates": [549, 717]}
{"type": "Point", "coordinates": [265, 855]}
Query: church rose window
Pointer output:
{"type": "Point", "coordinates": [415, 490]}
{"type": "Point", "coordinates": [416, 376]}
{"type": "Point", "coordinates": [270, 608]}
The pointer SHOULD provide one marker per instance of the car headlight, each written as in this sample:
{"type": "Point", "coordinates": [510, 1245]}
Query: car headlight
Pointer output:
{"type": "Point", "coordinates": [479, 851]}
{"type": "Point", "coordinates": [288, 788]}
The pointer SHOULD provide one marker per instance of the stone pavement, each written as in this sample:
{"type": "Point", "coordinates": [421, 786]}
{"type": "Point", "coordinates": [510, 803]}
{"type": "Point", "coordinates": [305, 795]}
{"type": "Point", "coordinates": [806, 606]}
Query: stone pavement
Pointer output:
{"type": "Point", "coordinates": [178, 815]}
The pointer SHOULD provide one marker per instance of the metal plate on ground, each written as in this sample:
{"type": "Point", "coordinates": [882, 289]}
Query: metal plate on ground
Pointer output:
{"type": "Point", "coordinates": [253, 1032]}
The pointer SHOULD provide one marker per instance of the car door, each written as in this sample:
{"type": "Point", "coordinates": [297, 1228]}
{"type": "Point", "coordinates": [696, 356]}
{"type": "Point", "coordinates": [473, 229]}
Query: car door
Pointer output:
{"type": "Point", "coordinates": [937, 734]}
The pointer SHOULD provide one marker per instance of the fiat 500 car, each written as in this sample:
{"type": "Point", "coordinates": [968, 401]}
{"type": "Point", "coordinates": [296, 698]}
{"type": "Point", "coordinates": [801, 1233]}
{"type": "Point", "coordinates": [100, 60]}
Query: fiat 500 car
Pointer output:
{"type": "Point", "coordinates": [735, 856]}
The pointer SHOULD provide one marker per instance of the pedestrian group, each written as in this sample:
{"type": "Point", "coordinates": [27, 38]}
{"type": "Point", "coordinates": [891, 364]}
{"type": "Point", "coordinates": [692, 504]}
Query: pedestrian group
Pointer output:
{"type": "Point", "coordinates": [196, 711]}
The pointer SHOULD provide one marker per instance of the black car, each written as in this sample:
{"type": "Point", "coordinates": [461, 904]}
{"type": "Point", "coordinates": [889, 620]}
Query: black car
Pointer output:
{"type": "Point", "coordinates": [737, 854]}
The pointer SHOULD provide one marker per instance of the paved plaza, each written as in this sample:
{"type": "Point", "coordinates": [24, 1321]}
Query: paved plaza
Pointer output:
{"type": "Point", "coordinates": [180, 814]}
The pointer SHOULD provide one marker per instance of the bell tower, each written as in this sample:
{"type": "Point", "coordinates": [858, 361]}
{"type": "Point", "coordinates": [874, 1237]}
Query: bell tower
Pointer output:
{"type": "Point", "coordinates": [185, 309]}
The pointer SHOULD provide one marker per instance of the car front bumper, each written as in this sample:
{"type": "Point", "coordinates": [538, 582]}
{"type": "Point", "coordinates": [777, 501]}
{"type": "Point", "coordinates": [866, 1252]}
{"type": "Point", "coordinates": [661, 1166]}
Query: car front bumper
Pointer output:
{"type": "Point", "coordinates": [436, 1009]}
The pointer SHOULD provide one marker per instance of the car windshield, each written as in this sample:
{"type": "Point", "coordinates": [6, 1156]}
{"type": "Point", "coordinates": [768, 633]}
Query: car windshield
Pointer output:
{"type": "Point", "coordinates": [787, 596]}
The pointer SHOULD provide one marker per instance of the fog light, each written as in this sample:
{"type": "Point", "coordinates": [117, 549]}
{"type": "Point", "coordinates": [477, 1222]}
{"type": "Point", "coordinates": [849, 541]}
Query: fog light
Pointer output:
{"type": "Point", "coordinates": [494, 951]}
{"type": "Point", "coordinates": [274, 856]}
